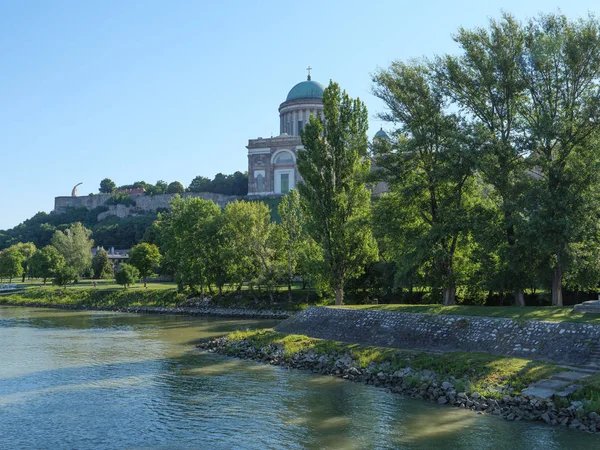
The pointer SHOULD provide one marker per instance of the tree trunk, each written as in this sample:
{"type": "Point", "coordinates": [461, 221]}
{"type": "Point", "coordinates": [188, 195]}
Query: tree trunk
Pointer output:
{"type": "Point", "coordinates": [339, 296]}
{"type": "Point", "coordinates": [557, 299]}
{"type": "Point", "coordinates": [289, 290]}
{"type": "Point", "coordinates": [519, 297]}
{"type": "Point", "coordinates": [145, 282]}
{"type": "Point", "coordinates": [449, 295]}
{"type": "Point", "coordinates": [24, 275]}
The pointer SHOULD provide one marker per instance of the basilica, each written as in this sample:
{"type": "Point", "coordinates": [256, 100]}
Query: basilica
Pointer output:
{"type": "Point", "coordinates": [272, 165]}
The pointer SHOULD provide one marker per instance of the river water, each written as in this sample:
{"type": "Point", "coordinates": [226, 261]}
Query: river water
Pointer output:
{"type": "Point", "coordinates": [94, 380]}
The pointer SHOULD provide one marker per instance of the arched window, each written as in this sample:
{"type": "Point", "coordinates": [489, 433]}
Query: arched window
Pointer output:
{"type": "Point", "coordinates": [260, 183]}
{"type": "Point", "coordinates": [284, 158]}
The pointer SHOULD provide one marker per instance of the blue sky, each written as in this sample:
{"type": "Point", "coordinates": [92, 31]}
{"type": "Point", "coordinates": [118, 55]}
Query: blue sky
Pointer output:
{"type": "Point", "coordinates": [149, 90]}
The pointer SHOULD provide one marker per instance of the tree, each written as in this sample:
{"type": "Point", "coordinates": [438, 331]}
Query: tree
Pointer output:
{"type": "Point", "coordinates": [126, 275]}
{"type": "Point", "coordinates": [101, 266]}
{"type": "Point", "coordinates": [46, 262]}
{"type": "Point", "coordinates": [256, 244]}
{"type": "Point", "coordinates": [75, 245]}
{"type": "Point", "coordinates": [294, 237]}
{"type": "Point", "coordinates": [429, 170]}
{"type": "Point", "coordinates": [145, 258]}
{"type": "Point", "coordinates": [561, 69]}
{"type": "Point", "coordinates": [199, 184]}
{"type": "Point", "coordinates": [11, 263]}
{"type": "Point", "coordinates": [64, 276]}
{"type": "Point", "coordinates": [107, 186]}
{"type": "Point", "coordinates": [192, 238]}
{"type": "Point", "coordinates": [486, 82]}
{"type": "Point", "coordinates": [26, 249]}
{"type": "Point", "coordinates": [175, 188]}
{"type": "Point", "coordinates": [334, 165]}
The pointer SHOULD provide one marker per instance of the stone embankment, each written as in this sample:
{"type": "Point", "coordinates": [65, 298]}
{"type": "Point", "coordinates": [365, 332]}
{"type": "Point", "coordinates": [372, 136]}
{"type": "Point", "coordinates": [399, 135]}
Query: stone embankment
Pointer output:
{"type": "Point", "coordinates": [208, 310]}
{"type": "Point", "coordinates": [561, 342]}
{"type": "Point", "coordinates": [419, 384]}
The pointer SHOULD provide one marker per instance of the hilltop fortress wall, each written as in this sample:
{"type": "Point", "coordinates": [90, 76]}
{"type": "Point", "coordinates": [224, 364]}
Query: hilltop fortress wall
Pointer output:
{"type": "Point", "coordinates": [141, 203]}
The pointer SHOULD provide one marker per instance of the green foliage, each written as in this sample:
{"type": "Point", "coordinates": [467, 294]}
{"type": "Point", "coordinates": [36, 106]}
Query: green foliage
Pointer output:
{"type": "Point", "coordinates": [256, 243]}
{"type": "Point", "coordinates": [107, 186]}
{"type": "Point", "coordinates": [65, 275]}
{"type": "Point", "coordinates": [101, 266]}
{"type": "Point", "coordinates": [236, 184]}
{"type": "Point", "coordinates": [46, 262]}
{"type": "Point", "coordinates": [175, 188]}
{"type": "Point", "coordinates": [120, 198]}
{"type": "Point", "coordinates": [11, 263]}
{"type": "Point", "coordinates": [145, 258]}
{"type": "Point", "coordinates": [334, 167]}
{"type": "Point", "coordinates": [74, 244]}
{"type": "Point", "coordinates": [126, 275]}
{"type": "Point", "coordinates": [429, 169]}
{"type": "Point", "coordinates": [122, 233]}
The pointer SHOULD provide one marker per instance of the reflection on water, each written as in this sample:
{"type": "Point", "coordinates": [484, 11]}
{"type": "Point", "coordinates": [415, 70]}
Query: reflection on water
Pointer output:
{"type": "Point", "coordinates": [114, 381]}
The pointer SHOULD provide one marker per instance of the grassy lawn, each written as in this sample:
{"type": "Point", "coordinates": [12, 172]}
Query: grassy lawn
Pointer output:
{"type": "Point", "coordinates": [479, 372]}
{"type": "Point", "coordinates": [109, 285]}
{"type": "Point", "coordinates": [542, 313]}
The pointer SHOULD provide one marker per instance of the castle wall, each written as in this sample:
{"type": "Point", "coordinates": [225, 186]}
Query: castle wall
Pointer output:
{"type": "Point", "coordinates": [143, 203]}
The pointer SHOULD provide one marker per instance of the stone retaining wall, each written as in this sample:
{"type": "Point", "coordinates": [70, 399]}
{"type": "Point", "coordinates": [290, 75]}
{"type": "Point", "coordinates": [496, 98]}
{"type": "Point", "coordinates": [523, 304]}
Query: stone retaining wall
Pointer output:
{"type": "Point", "coordinates": [566, 343]}
{"type": "Point", "coordinates": [142, 202]}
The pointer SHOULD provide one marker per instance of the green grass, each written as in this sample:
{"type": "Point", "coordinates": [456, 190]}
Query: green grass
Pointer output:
{"type": "Point", "coordinates": [86, 283]}
{"type": "Point", "coordinates": [541, 313]}
{"type": "Point", "coordinates": [479, 372]}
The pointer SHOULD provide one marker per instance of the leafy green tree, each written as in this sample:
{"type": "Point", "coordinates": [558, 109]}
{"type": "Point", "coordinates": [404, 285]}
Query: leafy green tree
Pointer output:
{"type": "Point", "coordinates": [256, 243]}
{"type": "Point", "coordinates": [107, 186]}
{"type": "Point", "coordinates": [430, 171]}
{"type": "Point", "coordinates": [175, 188]}
{"type": "Point", "coordinates": [485, 81]}
{"type": "Point", "coordinates": [145, 258]}
{"type": "Point", "coordinates": [293, 233]}
{"type": "Point", "coordinates": [200, 184]}
{"type": "Point", "coordinates": [75, 245]}
{"type": "Point", "coordinates": [46, 262]}
{"type": "Point", "coordinates": [64, 276]}
{"type": "Point", "coordinates": [334, 166]}
{"type": "Point", "coordinates": [126, 275]}
{"type": "Point", "coordinates": [101, 265]}
{"type": "Point", "coordinates": [26, 249]}
{"type": "Point", "coordinates": [561, 69]}
{"type": "Point", "coordinates": [192, 242]}
{"type": "Point", "coordinates": [11, 263]}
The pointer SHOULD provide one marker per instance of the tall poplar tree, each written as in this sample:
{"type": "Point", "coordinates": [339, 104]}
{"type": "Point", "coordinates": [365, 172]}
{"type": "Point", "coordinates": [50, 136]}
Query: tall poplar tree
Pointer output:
{"type": "Point", "coordinates": [334, 165]}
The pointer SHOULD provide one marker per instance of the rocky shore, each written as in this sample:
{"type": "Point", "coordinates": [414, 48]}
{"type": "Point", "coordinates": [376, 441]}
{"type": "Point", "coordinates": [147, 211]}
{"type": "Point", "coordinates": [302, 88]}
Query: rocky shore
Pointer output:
{"type": "Point", "coordinates": [420, 384]}
{"type": "Point", "coordinates": [195, 309]}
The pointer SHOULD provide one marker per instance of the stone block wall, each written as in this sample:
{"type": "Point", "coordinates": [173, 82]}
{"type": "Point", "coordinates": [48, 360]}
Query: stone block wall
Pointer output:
{"type": "Point", "coordinates": [567, 343]}
{"type": "Point", "coordinates": [142, 202]}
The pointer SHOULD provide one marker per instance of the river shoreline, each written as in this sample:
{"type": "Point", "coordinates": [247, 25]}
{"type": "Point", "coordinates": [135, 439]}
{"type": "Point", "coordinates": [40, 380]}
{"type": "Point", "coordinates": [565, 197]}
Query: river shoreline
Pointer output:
{"type": "Point", "coordinates": [421, 383]}
{"type": "Point", "coordinates": [211, 311]}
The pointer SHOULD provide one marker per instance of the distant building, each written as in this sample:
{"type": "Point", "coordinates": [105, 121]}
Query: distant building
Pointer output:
{"type": "Point", "coordinates": [272, 165]}
{"type": "Point", "coordinates": [272, 168]}
{"type": "Point", "coordinates": [116, 257]}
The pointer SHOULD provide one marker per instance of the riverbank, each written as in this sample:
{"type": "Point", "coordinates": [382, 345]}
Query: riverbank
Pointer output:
{"type": "Point", "coordinates": [485, 383]}
{"type": "Point", "coordinates": [147, 302]}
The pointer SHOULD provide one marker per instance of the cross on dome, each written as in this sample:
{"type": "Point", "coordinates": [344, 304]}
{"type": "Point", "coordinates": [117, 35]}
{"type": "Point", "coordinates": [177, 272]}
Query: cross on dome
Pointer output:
{"type": "Point", "coordinates": [309, 69]}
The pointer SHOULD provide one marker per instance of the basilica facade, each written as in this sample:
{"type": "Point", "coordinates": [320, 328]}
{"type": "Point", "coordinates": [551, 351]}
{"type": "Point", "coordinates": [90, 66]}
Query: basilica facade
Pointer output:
{"type": "Point", "coordinates": [272, 165]}
{"type": "Point", "coordinates": [272, 168]}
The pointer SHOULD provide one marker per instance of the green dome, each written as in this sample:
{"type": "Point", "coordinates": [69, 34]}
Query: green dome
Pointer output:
{"type": "Point", "coordinates": [306, 89]}
{"type": "Point", "coordinates": [382, 135]}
